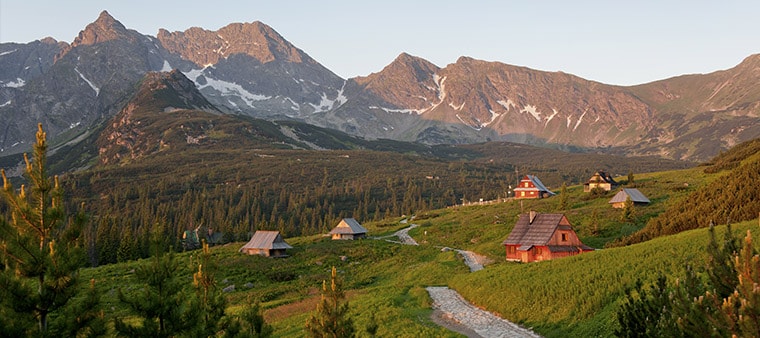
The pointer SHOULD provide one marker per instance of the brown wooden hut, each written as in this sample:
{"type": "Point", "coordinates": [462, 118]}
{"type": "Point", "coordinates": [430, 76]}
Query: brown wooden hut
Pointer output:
{"type": "Point", "coordinates": [266, 243]}
{"type": "Point", "coordinates": [600, 179]}
{"type": "Point", "coordinates": [349, 229]}
{"type": "Point", "coordinates": [540, 237]}
{"type": "Point", "coordinates": [618, 201]}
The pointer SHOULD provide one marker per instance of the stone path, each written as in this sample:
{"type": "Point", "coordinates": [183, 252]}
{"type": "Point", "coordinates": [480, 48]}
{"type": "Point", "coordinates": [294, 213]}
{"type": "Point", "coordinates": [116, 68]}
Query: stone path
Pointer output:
{"type": "Point", "coordinates": [455, 313]}
{"type": "Point", "coordinates": [473, 260]}
{"type": "Point", "coordinates": [403, 236]}
{"type": "Point", "coordinates": [483, 323]}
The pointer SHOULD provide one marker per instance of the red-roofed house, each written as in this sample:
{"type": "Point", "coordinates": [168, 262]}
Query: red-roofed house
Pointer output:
{"type": "Point", "coordinates": [540, 237]}
{"type": "Point", "coordinates": [531, 187]}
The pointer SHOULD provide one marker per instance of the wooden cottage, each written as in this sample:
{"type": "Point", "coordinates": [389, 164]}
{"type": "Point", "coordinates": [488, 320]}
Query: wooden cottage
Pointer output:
{"type": "Point", "coordinates": [600, 179]}
{"type": "Point", "coordinates": [618, 201]}
{"type": "Point", "coordinates": [540, 237]}
{"type": "Point", "coordinates": [266, 243]}
{"type": "Point", "coordinates": [348, 228]}
{"type": "Point", "coordinates": [531, 187]}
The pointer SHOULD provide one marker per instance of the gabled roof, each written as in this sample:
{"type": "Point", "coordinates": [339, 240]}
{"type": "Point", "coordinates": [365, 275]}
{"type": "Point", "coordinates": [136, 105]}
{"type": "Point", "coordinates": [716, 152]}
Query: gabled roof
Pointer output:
{"type": "Point", "coordinates": [635, 194]}
{"type": "Point", "coordinates": [603, 175]}
{"type": "Point", "coordinates": [536, 182]}
{"type": "Point", "coordinates": [348, 226]}
{"type": "Point", "coordinates": [538, 232]}
{"type": "Point", "coordinates": [266, 240]}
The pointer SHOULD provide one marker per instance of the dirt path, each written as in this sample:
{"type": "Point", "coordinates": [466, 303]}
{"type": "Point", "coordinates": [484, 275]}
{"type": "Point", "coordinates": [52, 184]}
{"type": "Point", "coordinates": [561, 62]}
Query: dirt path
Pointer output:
{"type": "Point", "coordinates": [461, 316]}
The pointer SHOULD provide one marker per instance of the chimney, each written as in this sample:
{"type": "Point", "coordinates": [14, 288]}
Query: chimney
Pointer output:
{"type": "Point", "coordinates": [533, 215]}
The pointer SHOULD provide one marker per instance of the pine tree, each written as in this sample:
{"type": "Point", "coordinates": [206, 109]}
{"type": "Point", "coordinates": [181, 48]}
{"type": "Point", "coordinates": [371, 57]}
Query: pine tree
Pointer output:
{"type": "Point", "coordinates": [161, 304]}
{"type": "Point", "coordinates": [563, 198]}
{"type": "Point", "coordinates": [631, 182]}
{"type": "Point", "coordinates": [331, 318]}
{"type": "Point", "coordinates": [209, 302]}
{"type": "Point", "coordinates": [40, 249]}
{"type": "Point", "coordinates": [249, 324]}
{"type": "Point", "coordinates": [628, 210]}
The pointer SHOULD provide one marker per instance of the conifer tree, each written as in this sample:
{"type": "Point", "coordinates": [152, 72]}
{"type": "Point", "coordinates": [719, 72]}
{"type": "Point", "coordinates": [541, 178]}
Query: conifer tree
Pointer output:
{"type": "Point", "coordinates": [161, 304]}
{"type": "Point", "coordinates": [249, 324]}
{"type": "Point", "coordinates": [331, 318]}
{"type": "Point", "coordinates": [631, 182]}
{"type": "Point", "coordinates": [209, 302]}
{"type": "Point", "coordinates": [628, 210]}
{"type": "Point", "coordinates": [40, 249]}
{"type": "Point", "coordinates": [563, 198]}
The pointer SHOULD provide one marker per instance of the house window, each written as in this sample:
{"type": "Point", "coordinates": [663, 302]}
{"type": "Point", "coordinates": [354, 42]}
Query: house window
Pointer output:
{"type": "Point", "coordinates": [526, 184]}
{"type": "Point", "coordinates": [522, 193]}
{"type": "Point", "coordinates": [511, 249]}
{"type": "Point", "coordinates": [538, 251]}
{"type": "Point", "coordinates": [564, 237]}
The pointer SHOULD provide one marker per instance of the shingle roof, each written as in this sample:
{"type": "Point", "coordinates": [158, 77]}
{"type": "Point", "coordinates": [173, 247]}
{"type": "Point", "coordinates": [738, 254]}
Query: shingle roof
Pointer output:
{"type": "Point", "coordinates": [635, 194]}
{"type": "Point", "coordinates": [266, 240]}
{"type": "Point", "coordinates": [537, 233]}
{"type": "Point", "coordinates": [348, 226]}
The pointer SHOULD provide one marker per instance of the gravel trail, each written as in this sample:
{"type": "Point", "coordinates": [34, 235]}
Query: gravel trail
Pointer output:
{"type": "Point", "coordinates": [479, 323]}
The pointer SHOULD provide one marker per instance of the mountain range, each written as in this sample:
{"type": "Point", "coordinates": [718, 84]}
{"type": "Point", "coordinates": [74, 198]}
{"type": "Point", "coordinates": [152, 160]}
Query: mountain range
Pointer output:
{"type": "Point", "coordinates": [249, 70]}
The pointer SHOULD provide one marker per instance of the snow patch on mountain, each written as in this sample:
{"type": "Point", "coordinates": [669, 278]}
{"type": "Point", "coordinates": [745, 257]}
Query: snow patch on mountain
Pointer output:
{"type": "Point", "coordinates": [506, 104]}
{"type": "Point", "coordinates": [92, 85]}
{"type": "Point", "coordinates": [225, 87]}
{"type": "Point", "coordinates": [533, 111]}
{"type": "Point", "coordinates": [580, 119]}
{"type": "Point", "coordinates": [5, 104]}
{"type": "Point", "coordinates": [14, 84]}
{"type": "Point", "coordinates": [8, 52]}
{"type": "Point", "coordinates": [468, 124]}
{"type": "Point", "coordinates": [459, 107]}
{"type": "Point", "coordinates": [494, 116]}
{"type": "Point", "coordinates": [326, 104]}
{"type": "Point", "coordinates": [554, 113]}
{"type": "Point", "coordinates": [403, 111]}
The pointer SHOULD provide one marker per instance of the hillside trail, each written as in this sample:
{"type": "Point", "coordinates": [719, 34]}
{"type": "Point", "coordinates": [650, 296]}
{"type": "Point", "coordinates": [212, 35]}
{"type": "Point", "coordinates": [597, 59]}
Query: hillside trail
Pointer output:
{"type": "Point", "coordinates": [453, 312]}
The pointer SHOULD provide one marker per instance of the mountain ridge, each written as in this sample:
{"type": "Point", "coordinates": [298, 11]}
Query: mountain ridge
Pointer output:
{"type": "Point", "coordinates": [250, 69]}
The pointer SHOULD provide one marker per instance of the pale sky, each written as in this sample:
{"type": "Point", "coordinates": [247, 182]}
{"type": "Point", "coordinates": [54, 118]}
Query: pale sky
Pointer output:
{"type": "Point", "coordinates": [613, 42]}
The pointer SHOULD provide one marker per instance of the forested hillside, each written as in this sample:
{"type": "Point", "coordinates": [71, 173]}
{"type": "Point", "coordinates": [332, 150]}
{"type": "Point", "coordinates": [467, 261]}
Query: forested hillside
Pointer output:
{"type": "Point", "coordinates": [732, 196]}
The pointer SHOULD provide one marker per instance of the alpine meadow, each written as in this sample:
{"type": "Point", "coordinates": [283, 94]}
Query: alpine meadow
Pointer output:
{"type": "Point", "coordinates": [225, 184]}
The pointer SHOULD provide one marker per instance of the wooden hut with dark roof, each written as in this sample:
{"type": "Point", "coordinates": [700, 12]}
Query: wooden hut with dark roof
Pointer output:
{"type": "Point", "coordinates": [531, 187]}
{"type": "Point", "coordinates": [601, 179]}
{"type": "Point", "coordinates": [266, 243]}
{"type": "Point", "coordinates": [348, 228]}
{"type": "Point", "coordinates": [540, 237]}
{"type": "Point", "coordinates": [618, 201]}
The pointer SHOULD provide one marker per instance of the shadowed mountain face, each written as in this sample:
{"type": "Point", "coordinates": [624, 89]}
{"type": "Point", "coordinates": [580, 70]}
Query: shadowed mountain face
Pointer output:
{"type": "Point", "coordinates": [249, 69]}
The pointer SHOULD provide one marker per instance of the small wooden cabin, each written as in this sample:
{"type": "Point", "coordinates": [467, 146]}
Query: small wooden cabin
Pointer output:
{"type": "Point", "coordinates": [600, 179]}
{"type": "Point", "coordinates": [266, 243]}
{"type": "Point", "coordinates": [531, 187]}
{"type": "Point", "coordinates": [349, 229]}
{"type": "Point", "coordinates": [618, 201]}
{"type": "Point", "coordinates": [540, 237]}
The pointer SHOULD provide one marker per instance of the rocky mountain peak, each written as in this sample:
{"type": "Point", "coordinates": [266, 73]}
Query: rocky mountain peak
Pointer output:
{"type": "Point", "coordinates": [408, 80]}
{"type": "Point", "coordinates": [204, 47]}
{"type": "Point", "coordinates": [167, 91]}
{"type": "Point", "coordinates": [105, 28]}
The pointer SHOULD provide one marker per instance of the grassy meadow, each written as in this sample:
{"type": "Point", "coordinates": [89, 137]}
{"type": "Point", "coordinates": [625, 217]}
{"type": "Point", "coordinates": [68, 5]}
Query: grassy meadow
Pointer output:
{"type": "Point", "coordinates": [575, 296]}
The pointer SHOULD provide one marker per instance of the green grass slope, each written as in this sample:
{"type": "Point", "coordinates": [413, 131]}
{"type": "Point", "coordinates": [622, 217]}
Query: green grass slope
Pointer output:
{"type": "Point", "coordinates": [578, 296]}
